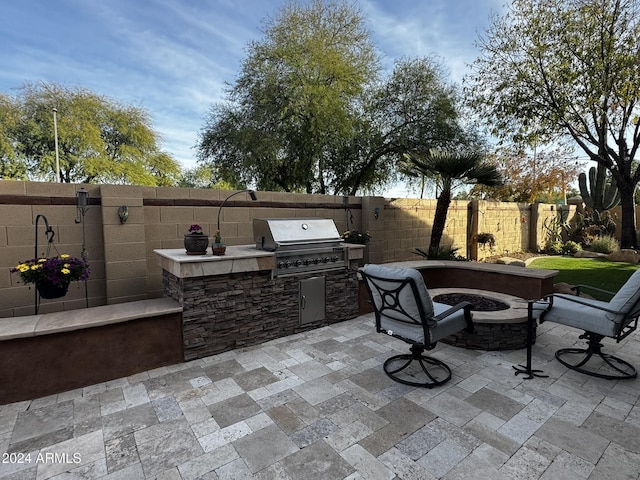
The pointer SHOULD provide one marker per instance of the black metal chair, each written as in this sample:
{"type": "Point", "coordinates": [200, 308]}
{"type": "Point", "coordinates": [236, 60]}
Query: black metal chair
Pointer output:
{"type": "Point", "coordinates": [615, 319]}
{"type": "Point", "coordinates": [403, 309]}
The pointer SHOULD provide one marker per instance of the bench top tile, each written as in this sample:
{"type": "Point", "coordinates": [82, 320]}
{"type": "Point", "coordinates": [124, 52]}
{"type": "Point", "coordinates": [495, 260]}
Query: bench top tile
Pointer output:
{"type": "Point", "coordinates": [478, 266]}
{"type": "Point", "coordinates": [18, 327]}
{"type": "Point", "coordinates": [66, 321]}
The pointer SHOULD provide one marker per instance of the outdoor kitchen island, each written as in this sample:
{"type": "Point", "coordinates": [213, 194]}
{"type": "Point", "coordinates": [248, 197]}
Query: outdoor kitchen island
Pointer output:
{"type": "Point", "coordinates": [242, 298]}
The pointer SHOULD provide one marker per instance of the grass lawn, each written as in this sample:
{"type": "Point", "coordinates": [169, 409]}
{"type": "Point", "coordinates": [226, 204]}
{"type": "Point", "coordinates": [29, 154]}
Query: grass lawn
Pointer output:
{"type": "Point", "coordinates": [595, 272]}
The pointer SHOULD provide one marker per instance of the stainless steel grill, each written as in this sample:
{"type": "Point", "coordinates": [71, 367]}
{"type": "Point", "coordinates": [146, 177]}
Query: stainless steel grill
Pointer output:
{"type": "Point", "coordinates": [301, 245]}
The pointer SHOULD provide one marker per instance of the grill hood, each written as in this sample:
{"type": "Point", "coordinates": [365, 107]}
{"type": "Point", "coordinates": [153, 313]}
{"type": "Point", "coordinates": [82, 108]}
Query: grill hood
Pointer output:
{"type": "Point", "coordinates": [274, 233]}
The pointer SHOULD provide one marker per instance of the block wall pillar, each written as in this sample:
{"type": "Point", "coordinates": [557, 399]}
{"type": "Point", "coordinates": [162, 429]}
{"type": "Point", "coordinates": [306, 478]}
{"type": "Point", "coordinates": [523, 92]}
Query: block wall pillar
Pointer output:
{"type": "Point", "coordinates": [124, 251]}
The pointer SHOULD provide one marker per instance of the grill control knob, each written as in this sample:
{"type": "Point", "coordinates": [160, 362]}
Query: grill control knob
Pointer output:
{"type": "Point", "coordinates": [334, 258]}
{"type": "Point", "coordinates": [326, 260]}
{"type": "Point", "coordinates": [298, 262]}
{"type": "Point", "coordinates": [317, 260]}
{"type": "Point", "coordinates": [307, 261]}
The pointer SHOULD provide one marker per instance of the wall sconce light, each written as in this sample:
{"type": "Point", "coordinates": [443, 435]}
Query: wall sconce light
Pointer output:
{"type": "Point", "coordinates": [251, 193]}
{"type": "Point", "coordinates": [123, 213]}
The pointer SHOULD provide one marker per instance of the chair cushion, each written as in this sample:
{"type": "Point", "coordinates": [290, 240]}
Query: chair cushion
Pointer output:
{"type": "Point", "coordinates": [627, 296]}
{"type": "Point", "coordinates": [449, 325]}
{"type": "Point", "coordinates": [583, 317]}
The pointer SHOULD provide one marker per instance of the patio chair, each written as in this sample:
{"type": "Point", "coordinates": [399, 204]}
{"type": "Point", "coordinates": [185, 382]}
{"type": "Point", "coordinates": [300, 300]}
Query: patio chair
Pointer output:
{"type": "Point", "coordinates": [403, 309]}
{"type": "Point", "coordinates": [615, 319]}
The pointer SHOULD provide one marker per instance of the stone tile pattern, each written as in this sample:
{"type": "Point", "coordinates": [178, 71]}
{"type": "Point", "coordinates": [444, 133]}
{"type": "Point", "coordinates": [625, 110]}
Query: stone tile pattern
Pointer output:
{"type": "Point", "coordinates": [317, 405]}
{"type": "Point", "coordinates": [236, 310]}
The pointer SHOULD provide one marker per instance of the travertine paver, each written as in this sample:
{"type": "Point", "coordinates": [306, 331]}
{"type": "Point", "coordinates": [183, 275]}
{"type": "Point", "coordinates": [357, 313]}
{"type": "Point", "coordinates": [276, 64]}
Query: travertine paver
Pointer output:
{"type": "Point", "coordinates": [318, 405]}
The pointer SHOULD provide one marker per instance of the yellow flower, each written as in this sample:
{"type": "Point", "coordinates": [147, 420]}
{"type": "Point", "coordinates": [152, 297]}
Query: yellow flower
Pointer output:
{"type": "Point", "coordinates": [36, 267]}
{"type": "Point", "coordinates": [42, 260]}
{"type": "Point", "coordinates": [65, 271]}
{"type": "Point", "coordinates": [64, 256]}
{"type": "Point", "coordinates": [23, 268]}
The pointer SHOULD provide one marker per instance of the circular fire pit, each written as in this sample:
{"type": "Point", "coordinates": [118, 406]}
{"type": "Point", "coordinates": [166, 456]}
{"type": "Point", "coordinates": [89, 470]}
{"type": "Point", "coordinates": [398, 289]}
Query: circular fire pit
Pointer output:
{"type": "Point", "coordinates": [499, 320]}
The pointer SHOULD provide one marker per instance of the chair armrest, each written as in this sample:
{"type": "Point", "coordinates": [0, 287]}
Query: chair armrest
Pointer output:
{"type": "Point", "coordinates": [577, 288]}
{"type": "Point", "coordinates": [575, 299]}
{"type": "Point", "coordinates": [459, 306]}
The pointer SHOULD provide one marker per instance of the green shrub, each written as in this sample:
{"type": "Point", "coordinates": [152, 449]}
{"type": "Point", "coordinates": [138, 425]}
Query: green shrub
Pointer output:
{"type": "Point", "coordinates": [605, 244]}
{"type": "Point", "coordinates": [553, 248]}
{"type": "Point", "coordinates": [443, 253]}
{"type": "Point", "coordinates": [571, 248]}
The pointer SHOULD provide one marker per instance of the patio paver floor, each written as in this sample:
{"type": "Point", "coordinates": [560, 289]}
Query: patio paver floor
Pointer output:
{"type": "Point", "coordinates": [318, 405]}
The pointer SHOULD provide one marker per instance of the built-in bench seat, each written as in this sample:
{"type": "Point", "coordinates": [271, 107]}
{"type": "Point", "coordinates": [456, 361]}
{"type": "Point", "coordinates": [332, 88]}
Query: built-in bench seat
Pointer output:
{"type": "Point", "coordinates": [54, 352]}
{"type": "Point", "coordinates": [527, 283]}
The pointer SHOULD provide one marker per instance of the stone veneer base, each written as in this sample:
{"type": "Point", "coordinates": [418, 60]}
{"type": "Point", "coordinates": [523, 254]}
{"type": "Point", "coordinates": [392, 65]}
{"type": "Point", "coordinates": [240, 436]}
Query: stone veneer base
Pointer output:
{"type": "Point", "coordinates": [236, 310]}
{"type": "Point", "coordinates": [493, 330]}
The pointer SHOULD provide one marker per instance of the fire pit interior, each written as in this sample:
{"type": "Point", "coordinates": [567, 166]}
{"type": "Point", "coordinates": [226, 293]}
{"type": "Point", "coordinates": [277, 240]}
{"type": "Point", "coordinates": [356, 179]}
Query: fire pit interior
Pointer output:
{"type": "Point", "coordinates": [479, 302]}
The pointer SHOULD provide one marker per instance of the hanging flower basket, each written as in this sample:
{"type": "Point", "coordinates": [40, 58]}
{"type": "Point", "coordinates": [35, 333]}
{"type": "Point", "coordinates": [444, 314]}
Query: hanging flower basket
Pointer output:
{"type": "Point", "coordinates": [52, 290]}
{"type": "Point", "coordinates": [52, 275]}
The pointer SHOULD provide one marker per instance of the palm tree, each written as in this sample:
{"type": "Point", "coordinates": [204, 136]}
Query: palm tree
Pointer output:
{"type": "Point", "coordinates": [451, 168]}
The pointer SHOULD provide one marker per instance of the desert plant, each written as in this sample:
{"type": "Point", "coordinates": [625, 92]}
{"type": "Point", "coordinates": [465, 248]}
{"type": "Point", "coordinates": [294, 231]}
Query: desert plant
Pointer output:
{"type": "Point", "coordinates": [553, 247]}
{"type": "Point", "coordinates": [570, 248]}
{"type": "Point", "coordinates": [602, 195]}
{"type": "Point", "coordinates": [605, 244]}
{"type": "Point", "coordinates": [590, 226]}
{"type": "Point", "coordinates": [443, 253]}
{"type": "Point", "coordinates": [555, 227]}
{"type": "Point", "coordinates": [486, 238]}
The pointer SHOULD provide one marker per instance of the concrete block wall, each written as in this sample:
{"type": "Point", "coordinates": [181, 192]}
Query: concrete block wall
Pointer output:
{"type": "Point", "coordinates": [20, 205]}
{"type": "Point", "coordinates": [408, 224]}
{"type": "Point", "coordinates": [509, 224]}
{"type": "Point", "coordinates": [124, 267]}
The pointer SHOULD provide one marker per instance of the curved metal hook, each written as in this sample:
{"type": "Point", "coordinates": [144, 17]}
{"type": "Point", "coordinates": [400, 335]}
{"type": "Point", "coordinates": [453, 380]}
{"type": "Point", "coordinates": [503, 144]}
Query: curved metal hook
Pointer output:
{"type": "Point", "coordinates": [49, 233]}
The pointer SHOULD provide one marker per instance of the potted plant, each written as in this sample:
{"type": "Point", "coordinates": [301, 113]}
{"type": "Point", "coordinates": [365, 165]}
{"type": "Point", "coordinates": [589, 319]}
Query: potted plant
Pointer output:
{"type": "Point", "coordinates": [196, 242]}
{"type": "Point", "coordinates": [354, 236]}
{"type": "Point", "coordinates": [52, 275]}
{"type": "Point", "coordinates": [485, 239]}
{"type": "Point", "coordinates": [217, 247]}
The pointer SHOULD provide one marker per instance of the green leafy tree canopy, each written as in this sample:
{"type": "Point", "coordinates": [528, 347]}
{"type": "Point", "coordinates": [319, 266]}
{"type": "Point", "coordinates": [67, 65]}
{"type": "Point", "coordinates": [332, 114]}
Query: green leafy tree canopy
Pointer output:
{"type": "Point", "coordinates": [99, 140]}
{"type": "Point", "coordinates": [567, 68]}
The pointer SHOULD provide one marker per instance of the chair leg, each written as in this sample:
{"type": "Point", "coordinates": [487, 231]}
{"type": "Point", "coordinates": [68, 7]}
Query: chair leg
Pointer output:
{"type": "Point", "coordinates": [439, 373]}
{"type": "Point", "coordinates": [621, 370]}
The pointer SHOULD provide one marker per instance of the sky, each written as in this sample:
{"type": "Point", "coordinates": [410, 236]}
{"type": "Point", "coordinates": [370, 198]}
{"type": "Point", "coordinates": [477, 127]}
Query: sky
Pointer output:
{"type": "Point", "coordinates": [174, 58]}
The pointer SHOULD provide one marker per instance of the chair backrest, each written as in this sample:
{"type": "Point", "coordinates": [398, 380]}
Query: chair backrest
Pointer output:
{"type": "Point", "coordinates": [398, 294]}
{"type": "Point", "coordinates": [627, 300]}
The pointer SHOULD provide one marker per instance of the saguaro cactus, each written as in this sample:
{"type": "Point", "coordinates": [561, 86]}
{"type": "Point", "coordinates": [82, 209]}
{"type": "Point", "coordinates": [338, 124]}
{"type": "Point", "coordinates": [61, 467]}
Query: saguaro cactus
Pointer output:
{"type": "Point", "coordinates": [603, 196]}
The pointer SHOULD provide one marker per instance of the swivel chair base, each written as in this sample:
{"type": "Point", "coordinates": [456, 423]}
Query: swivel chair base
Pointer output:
{"type": "Point", "coordinates": [433, 379]}
{"type": "Point", "coordinates": [620, 370]}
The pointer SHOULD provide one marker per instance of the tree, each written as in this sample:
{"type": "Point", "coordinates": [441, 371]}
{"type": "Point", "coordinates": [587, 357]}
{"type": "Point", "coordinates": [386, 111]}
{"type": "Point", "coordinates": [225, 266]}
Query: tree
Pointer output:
{"type": "Point", "coordinates": [293, 99]}
{"type": "Point", "coordinates": [452, 168]}
{"type": "Point", "coordinates": [99, 140]}
{"type": "Point", "coordinates": [416, 110]}
{"type": "Point", "coordinates": [11, 166]}
{"type": "Point", "coordinates": [310, 111]}
{"type": "Point", "coordinates": [529, 178]}
{"type": "Point", "coordinates": [567, 68]}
